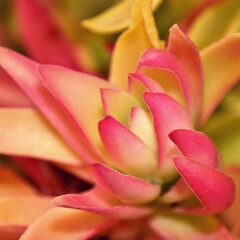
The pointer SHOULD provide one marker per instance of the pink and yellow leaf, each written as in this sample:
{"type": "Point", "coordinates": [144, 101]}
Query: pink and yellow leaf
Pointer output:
{"type": "Point", "coordinates": [142, 34]}
{"type": "Point", "coordinates": [216, 194]}
{"type": "Point", "coordinates": [127, 150]}
{"type": "Point", "coordinates": [197, 146]}
{"type": "Point", "coordinates": [24, 72]}
{"type": "Point", "coordinates": [72, 89]}
{"type": "Point", "coordinates": [184, 50]}
{"type": "Point", "coordinates": [126, 188]}
{"type": "Point", "coordinates": [168, 115]}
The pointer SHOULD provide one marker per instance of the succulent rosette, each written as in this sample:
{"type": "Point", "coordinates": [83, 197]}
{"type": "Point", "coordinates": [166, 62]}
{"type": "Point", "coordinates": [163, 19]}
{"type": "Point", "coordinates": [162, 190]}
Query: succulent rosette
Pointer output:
{"type": "Point", "coordinates": [134, 137]}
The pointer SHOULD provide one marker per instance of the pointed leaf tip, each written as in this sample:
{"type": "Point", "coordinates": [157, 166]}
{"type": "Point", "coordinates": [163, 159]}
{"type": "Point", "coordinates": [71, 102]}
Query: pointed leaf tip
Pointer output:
{"type": "Point", "coordinates": [214, 189]}
{"type": "Point", "coordinates": [196, 145]}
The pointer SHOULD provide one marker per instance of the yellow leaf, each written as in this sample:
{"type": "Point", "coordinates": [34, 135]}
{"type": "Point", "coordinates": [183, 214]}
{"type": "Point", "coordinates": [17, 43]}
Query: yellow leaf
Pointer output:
{"type": "Point", "coordinates": [114, 19]}
{"type": "Point", "coordinates": [142, 34]}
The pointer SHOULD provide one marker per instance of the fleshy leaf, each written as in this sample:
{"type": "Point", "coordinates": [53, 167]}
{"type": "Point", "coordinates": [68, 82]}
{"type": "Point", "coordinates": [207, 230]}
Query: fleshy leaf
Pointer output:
{"type": "Point", "coordinates": [181, 227]}
{"type": "Point", "coordinates": [169, 72]}
{"type": "Point", "coordinates": [126, 149]}
{"type": "Point", "coordinates": [26, 132]}
{"type": "Point", "coordinates": [62, 223]}
{"type": "Point", "coordinates": [95, 202]}
{"type": "Point", "coordinates": [41, 35]}
{"type": "Point", "coordinates": [196, 145]}
{"type": "Point", "coordinates": [168, 115]}
{"type": "Point", "coordinates": [184, 50]}
{"type": "Point", "coordinates": [114, 19]}
{"type": "Point", "coordinates": [214, 189]}
{"type": "Point", "coordinates": [126, 188]}
{"type": "Point", "coordinates": [23, 71]}
{"type": "Point", "coordinates": [73, 89]}
{"type": "Point", "coordinates": [221, 63]}
{"type": "Point", "coordinates": [142, 34]}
